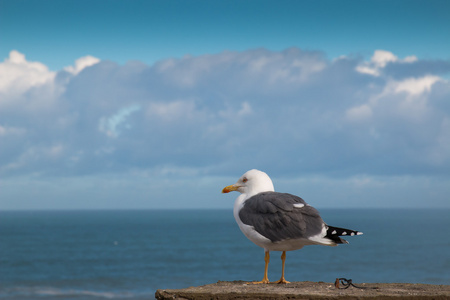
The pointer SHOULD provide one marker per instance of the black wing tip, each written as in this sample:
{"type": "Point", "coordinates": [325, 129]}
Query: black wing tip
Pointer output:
{"type": "Point", "coordinates": [333, 232]}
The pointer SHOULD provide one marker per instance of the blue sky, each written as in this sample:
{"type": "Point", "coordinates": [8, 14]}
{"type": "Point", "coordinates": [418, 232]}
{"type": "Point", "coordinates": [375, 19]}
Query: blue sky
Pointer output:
{"type": "Point", "coordinates": [160, 104]}
{"type": "Point", "coordinates": [58, 32]}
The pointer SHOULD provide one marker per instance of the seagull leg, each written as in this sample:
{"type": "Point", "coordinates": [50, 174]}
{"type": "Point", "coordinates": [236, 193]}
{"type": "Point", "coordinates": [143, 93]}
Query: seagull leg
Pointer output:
{"type": "Point", "coordinates": [265, 278]}
{"type": "Point", "coordinates": [283, 259]}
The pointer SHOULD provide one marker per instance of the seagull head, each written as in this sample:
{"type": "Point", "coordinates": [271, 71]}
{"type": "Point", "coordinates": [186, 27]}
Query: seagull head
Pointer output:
{"type": "Point", "coordinates": [251, 183]}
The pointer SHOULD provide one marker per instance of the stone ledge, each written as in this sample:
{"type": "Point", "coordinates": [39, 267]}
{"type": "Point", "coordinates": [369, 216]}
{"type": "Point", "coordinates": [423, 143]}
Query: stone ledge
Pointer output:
{"type": "Point", "coordinates": [307, 290]}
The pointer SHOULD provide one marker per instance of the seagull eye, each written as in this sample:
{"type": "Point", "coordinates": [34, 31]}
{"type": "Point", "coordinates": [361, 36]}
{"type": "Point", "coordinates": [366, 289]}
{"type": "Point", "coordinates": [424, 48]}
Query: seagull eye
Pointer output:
{"type": "Point", "coordinates": [245, 179]}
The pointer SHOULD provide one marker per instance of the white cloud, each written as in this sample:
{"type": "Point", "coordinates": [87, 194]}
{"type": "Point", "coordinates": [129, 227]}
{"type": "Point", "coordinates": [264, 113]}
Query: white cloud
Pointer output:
{"type": "Point", "coordinates": [17, 75]}
{"type": "Point", "coordinates": [380, 60]}
{"type": "Point", "coordinates": [410, 59]}
{"type": "Point", "coordinates": [112, 125]}
{"type": "Point", "coordinates": [11, 131]}
{"type": "Point", "coordinates": [292, 113]}
{"type": "Point", "coordinates": [359, 113]}
{"type": "Point", "coordinates": [56, 150]}
{"type": "Point", "coordinates": [408, 99]}
{"type": "Point", "coordinates": [381, 57]}
{"type": "Point", "coordinates": [280, 69]}
{"type": "Point", "coordinates": [245, 110]}
{"type": "Point", "coordinates": [366, 69]}
{"type": "Point", "coordinates": [416, 86]}
{"type": "Point", "coordinates": [81, 64]}
{"type": "Point", "coordinates": [231, 113]}
{"type": "Point", "coordinates": [171, 111]}
{"type": "Point", "coordinates": [287, 112]}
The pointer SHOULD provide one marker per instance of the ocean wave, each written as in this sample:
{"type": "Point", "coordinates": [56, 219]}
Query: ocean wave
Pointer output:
{"type": "Point", "coordinates": [21, 292]}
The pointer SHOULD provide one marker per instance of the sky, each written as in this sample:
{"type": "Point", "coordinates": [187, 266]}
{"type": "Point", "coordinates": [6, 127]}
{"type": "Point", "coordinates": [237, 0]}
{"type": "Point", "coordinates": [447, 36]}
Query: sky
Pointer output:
{"type": "Point", "coordinates": [160, 104]}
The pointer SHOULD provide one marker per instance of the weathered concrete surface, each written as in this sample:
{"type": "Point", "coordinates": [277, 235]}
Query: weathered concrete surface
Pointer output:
{"type": "Point", "coordinates": [307, 290]}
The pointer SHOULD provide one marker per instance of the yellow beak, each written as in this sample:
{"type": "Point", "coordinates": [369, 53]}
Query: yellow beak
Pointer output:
{"type": "Point", "coordinates": [230, 188]}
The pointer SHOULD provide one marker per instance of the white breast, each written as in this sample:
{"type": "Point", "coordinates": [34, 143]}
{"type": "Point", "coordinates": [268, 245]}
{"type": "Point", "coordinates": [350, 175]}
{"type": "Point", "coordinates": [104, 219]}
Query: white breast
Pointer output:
{"type": "Point", "coordinates": [249, 231]}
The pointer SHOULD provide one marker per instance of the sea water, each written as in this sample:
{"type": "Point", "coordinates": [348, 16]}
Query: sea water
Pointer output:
{"type": "Point", "coordinates": [130, 254]}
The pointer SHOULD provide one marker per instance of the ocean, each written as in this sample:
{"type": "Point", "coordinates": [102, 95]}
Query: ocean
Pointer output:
{"type": "Point", "coordinates": [130, 254]}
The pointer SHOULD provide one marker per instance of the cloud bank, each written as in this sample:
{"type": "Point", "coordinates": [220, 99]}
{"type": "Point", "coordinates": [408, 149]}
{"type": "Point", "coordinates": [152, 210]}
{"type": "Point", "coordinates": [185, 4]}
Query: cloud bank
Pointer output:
{"type": "Point", "coordinates": [292, 113]}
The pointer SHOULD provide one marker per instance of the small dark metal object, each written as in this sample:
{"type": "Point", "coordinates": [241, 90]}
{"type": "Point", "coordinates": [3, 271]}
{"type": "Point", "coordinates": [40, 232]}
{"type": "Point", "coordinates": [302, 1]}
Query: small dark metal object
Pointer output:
{"type": "Point", "coordinates": [346, 283]}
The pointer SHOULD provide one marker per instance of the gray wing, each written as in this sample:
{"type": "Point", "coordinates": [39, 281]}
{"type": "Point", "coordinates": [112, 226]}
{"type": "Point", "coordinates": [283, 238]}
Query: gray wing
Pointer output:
{"type": "Point", "coordinates": [274, 216]}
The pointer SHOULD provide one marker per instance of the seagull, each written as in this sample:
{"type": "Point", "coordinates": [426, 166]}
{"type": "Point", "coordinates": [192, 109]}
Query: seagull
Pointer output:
{"type": "Point", "coordinates": [279, 221]}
